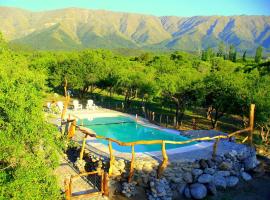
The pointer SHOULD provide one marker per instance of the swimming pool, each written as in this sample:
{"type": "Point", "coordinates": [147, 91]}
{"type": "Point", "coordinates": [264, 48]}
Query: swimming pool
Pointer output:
{"type": "Point", "coordinates": [126, 129]}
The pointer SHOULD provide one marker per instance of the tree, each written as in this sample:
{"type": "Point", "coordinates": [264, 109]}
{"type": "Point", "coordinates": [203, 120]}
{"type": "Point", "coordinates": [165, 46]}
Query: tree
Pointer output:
{"type": "Point", "coordinates": [28, 145]}
{"type": "Point", "coordinates": [208, 54]}
{"type": "Point", "coordinates": [244, 56]}
{"type": "Point", "coordinates": [234, 56]}
{"type": "Point", "coordinates": [232, 53]}
{"type": "Point", "coordinates": [262, 100]}
{"type": "Point", "coordinates": [258, 55]}
{"type": "Point", "coordinates": [178, 87]}
{"type": "Point", "coordinates": [224, 93]}
{"type": "Point", "coordinates": [221, 50]}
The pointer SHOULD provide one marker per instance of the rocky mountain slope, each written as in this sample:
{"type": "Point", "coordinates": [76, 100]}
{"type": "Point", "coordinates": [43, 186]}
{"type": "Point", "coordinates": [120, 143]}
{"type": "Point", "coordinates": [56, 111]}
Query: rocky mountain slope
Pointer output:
{"type": "Point", "coordinates": [75, 28]}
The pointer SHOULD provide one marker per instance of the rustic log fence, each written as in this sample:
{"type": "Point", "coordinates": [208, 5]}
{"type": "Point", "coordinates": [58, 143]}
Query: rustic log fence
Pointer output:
{"type": "Point", "coordinates": [102, 190]}
{"type": "Point", "coordinates": [163, 143]}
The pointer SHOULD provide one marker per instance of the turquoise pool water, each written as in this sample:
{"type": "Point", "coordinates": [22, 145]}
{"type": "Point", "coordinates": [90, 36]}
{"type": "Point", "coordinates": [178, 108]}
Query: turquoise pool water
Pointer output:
{"type": "Point", "coordinates": [127, 130]}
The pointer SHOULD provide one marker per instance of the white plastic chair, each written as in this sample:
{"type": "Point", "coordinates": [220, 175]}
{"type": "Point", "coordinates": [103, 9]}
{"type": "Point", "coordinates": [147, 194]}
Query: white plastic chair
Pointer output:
{"type": "Point", "coordinates": [49, 106]}
{"type": "Point", "coordinates": [60, 105]}
{"type": "Point", "coordinates": [76, 105]}
{"type": "Point", "coordinates": [90, 105]}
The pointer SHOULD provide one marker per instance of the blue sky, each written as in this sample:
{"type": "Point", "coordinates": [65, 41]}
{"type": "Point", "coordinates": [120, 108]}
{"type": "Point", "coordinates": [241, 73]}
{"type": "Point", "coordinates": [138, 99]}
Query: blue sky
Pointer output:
{"type": "Point", "coordinates": [154, 7]}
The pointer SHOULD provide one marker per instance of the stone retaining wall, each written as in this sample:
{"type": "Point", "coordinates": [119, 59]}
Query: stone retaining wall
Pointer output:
{"type": "Point", "coordinates": [192, 179]}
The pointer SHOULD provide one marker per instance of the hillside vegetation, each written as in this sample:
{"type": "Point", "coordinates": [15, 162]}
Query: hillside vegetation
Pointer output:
{"type": "Point", "coordinates": [74, 28]}
{"type": "Point", "coordinates": [28, 144]}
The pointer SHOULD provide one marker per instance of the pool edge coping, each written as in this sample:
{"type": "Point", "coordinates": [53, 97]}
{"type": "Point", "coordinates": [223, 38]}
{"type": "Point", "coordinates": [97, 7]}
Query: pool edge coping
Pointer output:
{"type": "Point", "coordinates": [157, 154]}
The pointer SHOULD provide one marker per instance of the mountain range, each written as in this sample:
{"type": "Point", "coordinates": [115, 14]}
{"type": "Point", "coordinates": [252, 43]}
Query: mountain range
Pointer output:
{"type": "Point", "coordinates": [75, 28]}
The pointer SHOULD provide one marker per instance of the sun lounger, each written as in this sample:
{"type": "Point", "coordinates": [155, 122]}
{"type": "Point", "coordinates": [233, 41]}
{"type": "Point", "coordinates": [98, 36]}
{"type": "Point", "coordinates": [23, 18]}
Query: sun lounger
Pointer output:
{"type": "Point", "coordinates": [60, 105]}
{"type": "Point", "coordinates": [90, 105]}
{"type": "Point", "coordinates": [76, 105]}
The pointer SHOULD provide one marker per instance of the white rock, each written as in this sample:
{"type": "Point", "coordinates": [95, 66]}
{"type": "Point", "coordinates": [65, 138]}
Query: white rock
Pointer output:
{"type": "Point", "coordinates": [245, 176]}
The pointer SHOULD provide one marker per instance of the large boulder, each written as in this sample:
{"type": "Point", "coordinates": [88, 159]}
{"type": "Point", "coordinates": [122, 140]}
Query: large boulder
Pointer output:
{"type": "Point", "coordinates": [246, 176]}
{"type": "Point", "coordinates": [223, 173]}
{"type": "Point", "coordinates": [209, 171]}
{"type": "Point", "coordinates": [196, 172]}
{"type": "Point", "coordinates": [198, 191]}
{"type": "Point", "coordinates": [187, 192]}
{"type": "Point", "coordinates": [205, 178]}
{"type": "Point", "coordinates": [250, 162]}
{"type": "Point", "coordinates": [220, 182]}
{"type": "Point", "coordinates": [187, 176]}
{"type": "Point", "coordinates": [232, 181]}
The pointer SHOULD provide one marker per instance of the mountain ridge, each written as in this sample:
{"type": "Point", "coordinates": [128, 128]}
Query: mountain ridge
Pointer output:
{"type": "Point", "coordinates": [76, 28]}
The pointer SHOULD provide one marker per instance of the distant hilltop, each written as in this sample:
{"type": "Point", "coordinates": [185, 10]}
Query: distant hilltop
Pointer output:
{"type": "Point", "coordinates": [74, 28]}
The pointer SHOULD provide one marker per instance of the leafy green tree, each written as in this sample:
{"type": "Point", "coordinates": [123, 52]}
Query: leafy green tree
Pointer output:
{"type": "Point", "coordinates": [261, 98]}
{"type": "Point", "coordinates": [176, 84]}
{"type": "Point", "coordinates": [232, 53]}
{"type": "Point", "coordinates": [135, 80]}
{"type": "Point", "coordinates": [28, 145]}
{"type": "Point", "coordinates": [221, 50]}
{"type": "Point", "coordinates": [224, 93]}
{"type": "Point", "coordinates": [208, 54]}
{"type": "Point", "coordinates": [144, 57]}
{"type": "Point", "coordinates": [258, 54]}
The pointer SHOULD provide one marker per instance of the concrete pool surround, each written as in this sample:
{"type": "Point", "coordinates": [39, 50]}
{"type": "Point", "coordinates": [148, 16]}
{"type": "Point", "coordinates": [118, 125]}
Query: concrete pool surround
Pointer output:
{"type": "Point", "coordinates": [97, 145]}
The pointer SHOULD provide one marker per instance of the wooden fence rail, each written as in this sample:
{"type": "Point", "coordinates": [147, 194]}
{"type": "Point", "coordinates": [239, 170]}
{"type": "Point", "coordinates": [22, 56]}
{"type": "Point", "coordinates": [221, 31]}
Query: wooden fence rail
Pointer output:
{"type": "Point", "coordinates": [164, 163]}
{"type": "Point", "coordinates": [164, 142]}
{"type": "Point", "coordinates": [104, 190]}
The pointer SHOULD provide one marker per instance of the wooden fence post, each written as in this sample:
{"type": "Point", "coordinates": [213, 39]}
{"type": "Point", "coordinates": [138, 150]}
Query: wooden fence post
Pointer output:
{"type": "Point", "coordinates": [83, 147]}
{"type": "Point", "coordinates": [164, 163]}
{"type": "Point", "coordinates": [215, 148]}
{"type": "Point", "coordinates": [251, 123]}
{"type": "Point", "coordinates": [106, 184]}
{"type": "Point", "coordinates": [66, 101]}
{"type": "Point", "coordinates": [72, 129]}
{"type": "Point", "coordinates": [194, 125]}
{"type": "Point", "coordinates": [131, 173]}
{"type": "Point", "coordinates": [111, 158]}
{"type": "Point", "coordinates": [174, 122]}
{"type": "Point", "coordinates": [67, 189]}
{"type": "Point", "coordinates": [143, 110]}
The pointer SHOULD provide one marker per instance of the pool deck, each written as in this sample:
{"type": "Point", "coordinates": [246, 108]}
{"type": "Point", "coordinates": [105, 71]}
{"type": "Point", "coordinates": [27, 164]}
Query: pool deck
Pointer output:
{"type": "Point", "coordinates": [191, 152]}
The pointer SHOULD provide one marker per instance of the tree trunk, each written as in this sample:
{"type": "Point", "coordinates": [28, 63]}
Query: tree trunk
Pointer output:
{"type": "Point", "coordinates": [208, 114]}
{"type": "Point", "coordinates": [180, 118]}
{"type": "Point", "coordinates": [110, 90]}
{"type": "Point", "coordinates": [214, 118]}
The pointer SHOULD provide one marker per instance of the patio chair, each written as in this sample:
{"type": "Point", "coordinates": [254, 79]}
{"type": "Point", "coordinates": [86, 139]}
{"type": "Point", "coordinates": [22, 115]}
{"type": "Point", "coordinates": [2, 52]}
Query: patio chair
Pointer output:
{"type": "Point", "coordinates": [90, 105]}
{"type": "Point", "coordinates": [49, 106]}
{"type": "Point", "coordinates": [60, 105]}
{"type": "Point", "coordinates": [77, 105]}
